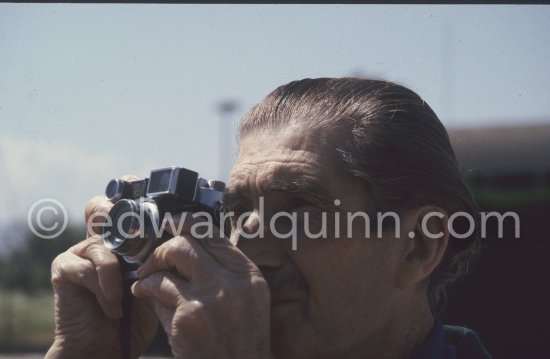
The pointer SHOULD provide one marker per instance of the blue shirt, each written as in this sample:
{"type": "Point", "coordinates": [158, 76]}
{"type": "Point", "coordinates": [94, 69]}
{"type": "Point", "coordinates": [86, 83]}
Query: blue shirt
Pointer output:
{"type": "Point", "coordinates": [450, 342]}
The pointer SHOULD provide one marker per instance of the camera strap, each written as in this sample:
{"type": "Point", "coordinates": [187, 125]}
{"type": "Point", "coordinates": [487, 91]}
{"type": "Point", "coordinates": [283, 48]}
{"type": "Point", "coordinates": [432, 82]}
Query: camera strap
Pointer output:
{"type": "Point", "coordinates": [125, 323]}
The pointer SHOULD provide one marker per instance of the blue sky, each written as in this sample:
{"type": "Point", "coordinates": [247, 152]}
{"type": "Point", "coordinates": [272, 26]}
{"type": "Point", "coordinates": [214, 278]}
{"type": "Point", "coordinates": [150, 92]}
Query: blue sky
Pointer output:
{"type": "Point", "coordinates": [90, 92]}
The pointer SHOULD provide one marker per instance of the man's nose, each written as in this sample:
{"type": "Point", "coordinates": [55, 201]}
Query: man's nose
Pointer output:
{"type": "Point", "coordinates": [257, 243]}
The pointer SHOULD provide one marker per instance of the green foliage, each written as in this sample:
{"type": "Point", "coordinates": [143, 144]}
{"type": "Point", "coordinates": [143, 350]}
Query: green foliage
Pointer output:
{"type": "Point", "coordinates": [512, 198]}
{"type": "Point", "coordinates": [27, 321]}
{"type": "Point", "coordinates": [27, 267]}
{"type": "Point", "coordinates": [26, 298]}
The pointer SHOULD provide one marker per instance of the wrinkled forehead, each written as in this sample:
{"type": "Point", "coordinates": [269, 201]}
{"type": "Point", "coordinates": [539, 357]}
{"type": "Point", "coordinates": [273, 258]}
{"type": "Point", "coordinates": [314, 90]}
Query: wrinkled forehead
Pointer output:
{"type": "Point", "coordinates": [291, 154]}
{"type": "Point", "coordinates": [291, 140]}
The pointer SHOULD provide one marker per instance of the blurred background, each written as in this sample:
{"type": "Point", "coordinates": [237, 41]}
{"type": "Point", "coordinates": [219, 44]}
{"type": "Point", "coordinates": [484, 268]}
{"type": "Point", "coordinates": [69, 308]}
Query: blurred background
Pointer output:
{"type": "Point", "coordinates": [91, 92]}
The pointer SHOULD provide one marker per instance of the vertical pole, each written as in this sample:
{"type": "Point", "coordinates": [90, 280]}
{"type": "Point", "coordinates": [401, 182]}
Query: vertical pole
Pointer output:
{"type": "Point", "coordinates": [226, 137]}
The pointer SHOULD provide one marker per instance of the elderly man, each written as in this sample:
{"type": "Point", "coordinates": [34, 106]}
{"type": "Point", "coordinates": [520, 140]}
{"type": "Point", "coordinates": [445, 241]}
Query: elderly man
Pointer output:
{"type": "Point", "coordinates": [325, 158]}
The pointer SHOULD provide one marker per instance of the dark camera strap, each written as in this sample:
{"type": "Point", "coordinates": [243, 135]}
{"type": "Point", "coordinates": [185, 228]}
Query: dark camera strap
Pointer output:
{"type": "Point", "coordinates": [126, 320]}
{"type": "Point", "coordinates": [125, 323]}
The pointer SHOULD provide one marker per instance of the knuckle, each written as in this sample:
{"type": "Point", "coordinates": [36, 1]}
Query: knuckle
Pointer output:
{"type": "Point", "coordinates": [195, 306]}
{"type": "Point", "coordinates": [98, 251]}
{"type": "Point", "coordinates": [94, 244]}
{"type": "Point", "coordinates": [192, 316]}
{"type": "Point", "coordinates": [97, 204]}
{"type": "Point", "coordinates": [176, 242]}
{"type": "Point", "coordinates": [82, 247]}
{"type": "Point", "coordinates": [86, 273]}
{"type": "Point", "coordinates": [173, 247]}
{"type": "Point", "coordinates": [106, 268]}
{"type": "Point", "coordinates": [164, 285]}
{"type": "Point", "coordinates": [180, 248]}
{"type": "Point", "coordinates": [259, 286]}
{"type": "Point", "coordinates": [57, 261]}
{"type": "Point", "coordinates": [160, 253]}
{"type": "Point", "coordinates": [130, 177]}
{"type": "Point", "coordinates": [57, 269]}
{"type": "Point", "coordinates": [193, 310]}
{"type": "Point", "coordinates": [95, 240]}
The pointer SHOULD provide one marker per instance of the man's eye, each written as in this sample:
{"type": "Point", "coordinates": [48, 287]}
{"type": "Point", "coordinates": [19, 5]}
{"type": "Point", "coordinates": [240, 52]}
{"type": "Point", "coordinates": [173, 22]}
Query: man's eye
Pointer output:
{"type": "Point", "coordinates": [240, 208]}
{"type": "Point", "coordinates": [301, 204]}
{"type": "Point", "coordinates": [240, 215]}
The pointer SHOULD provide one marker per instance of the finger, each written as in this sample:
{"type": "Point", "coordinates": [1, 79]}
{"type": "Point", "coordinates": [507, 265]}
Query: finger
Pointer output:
{"type": "Point", "coordinates": [199, 224]}
{"type": "Point", "coordinates": [222, 249]}
{"type": "Point", "coordinates": [98, 207]}
{"type": "Point", "coordinates": [70, 268]}
{"type": "Point", "coordinates": [181, 253]}
{"type": "Point", "coordinates": [97, 204]}
{"type": "Point", "coordinates": [231, 258]}
{"type": "Point", "coordinates": [82, 245]}
{"type": "Point", "coordinates": [95, 214]}
{"type": "Point", "coordinates": [193, 258]}
{"type": "Point", "coordinates": [130, 178]}
{"type": "Point", "coordinates": [164, 287]}
{"type": "Point", "coordinates": [107, 268]}
{"type": "Point", "coordinates": [166, 316]}
{"type": "Point", "coordinates": [176, 224]}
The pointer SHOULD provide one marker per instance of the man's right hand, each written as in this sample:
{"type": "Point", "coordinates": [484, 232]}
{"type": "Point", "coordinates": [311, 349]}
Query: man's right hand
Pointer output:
{"type": "Point", "coordinates": [87, 284]}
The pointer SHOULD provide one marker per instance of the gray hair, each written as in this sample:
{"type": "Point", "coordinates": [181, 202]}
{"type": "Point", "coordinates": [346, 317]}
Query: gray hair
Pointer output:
{"type": "Point", "coordinates": [389, 137]}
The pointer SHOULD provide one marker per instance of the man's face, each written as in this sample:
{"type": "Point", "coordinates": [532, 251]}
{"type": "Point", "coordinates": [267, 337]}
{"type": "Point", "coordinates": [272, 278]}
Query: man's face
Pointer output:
{"type": "Point", "coordinates": [331, 297]}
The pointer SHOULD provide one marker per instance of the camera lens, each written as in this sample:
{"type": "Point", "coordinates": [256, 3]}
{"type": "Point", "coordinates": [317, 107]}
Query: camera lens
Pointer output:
{"type": "Point", "coordinates": [132, 231]}
{"type": "Point", "coordinates": [114, 190]}
{"type": "Point", "coordinates": [125, 223]}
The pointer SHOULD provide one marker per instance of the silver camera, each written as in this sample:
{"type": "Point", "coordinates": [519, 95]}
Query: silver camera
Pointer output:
{"type": "Point", "coordinates": [140, 207]}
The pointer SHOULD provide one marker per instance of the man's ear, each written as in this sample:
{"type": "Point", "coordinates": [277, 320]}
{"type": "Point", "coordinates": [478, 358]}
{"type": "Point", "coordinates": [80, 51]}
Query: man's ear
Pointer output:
{"type": "Point", "coordinates": [427, 236]}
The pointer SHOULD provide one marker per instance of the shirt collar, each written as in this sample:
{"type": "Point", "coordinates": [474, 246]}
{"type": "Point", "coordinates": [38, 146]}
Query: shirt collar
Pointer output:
{"type": "Point", "coordinates": [435, 346]}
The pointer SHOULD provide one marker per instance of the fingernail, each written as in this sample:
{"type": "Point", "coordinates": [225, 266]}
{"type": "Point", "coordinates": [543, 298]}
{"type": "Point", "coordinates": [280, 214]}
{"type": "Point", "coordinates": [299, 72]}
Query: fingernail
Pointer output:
{"type": "Point", "coordinates": [133, 288]}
